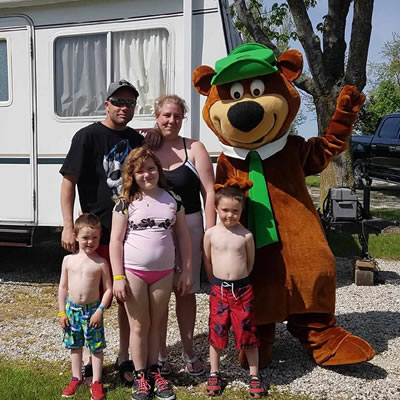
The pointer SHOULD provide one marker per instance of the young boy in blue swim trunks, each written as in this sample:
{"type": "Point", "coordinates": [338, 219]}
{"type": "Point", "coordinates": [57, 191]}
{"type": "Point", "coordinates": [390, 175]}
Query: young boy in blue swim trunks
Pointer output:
{"type": "Point", "coordinates": [80, 305]}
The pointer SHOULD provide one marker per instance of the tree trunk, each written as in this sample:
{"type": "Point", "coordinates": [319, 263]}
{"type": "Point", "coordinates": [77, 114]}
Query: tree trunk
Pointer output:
{"type": "Point", "coordinates": [337, 174]}
{"type": "Point", "coordinates": [328, 65]}
{"type": "Point", "coordinates": [339, 171]}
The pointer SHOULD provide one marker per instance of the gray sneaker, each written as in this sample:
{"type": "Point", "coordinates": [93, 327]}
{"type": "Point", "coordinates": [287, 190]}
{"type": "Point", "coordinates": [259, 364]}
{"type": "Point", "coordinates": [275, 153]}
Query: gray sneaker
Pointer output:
{"type": "Point", "coordinates": [141, 389]}
{"type": "Point", "coordinates": [161, 388]}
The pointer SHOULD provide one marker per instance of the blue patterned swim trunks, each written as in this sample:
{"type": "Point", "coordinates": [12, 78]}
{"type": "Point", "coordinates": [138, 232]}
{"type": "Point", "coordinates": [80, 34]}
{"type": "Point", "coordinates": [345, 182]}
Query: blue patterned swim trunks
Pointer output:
{"type": "Point", "coordinates": [78, 333]}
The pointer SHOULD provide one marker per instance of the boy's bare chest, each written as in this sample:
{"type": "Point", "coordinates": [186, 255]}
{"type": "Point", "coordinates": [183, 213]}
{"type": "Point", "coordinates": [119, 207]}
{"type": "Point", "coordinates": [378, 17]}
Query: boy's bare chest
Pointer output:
{"type": "Point", "coordinates": [86, 271]}
{"type": "Point", "coordinates": [228, 242]}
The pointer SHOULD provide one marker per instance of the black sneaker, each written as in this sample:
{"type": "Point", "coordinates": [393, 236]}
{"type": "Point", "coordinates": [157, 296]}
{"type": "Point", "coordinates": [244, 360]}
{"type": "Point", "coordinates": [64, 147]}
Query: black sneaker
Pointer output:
{"type": "Point", "coordinates": [214, 384]}
{"type": "Point", "coordinates": [141, 389]}
{"type": "Point", "coordinates": [256, 388]}
{"type": "Point", "coordinates": [161, 387]}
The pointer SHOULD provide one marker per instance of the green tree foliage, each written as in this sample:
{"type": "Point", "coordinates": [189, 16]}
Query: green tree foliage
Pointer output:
{"type": "Point", "coordinates": [390, 69]}
{"type": "Point", "coordinates": [385, 99]}
{"type": "Point", "coordinates": [384, 94]}
{"type": "Point", "coordinates": [334, 58]}
{"type": "Point", "coordinates": [276, 22]}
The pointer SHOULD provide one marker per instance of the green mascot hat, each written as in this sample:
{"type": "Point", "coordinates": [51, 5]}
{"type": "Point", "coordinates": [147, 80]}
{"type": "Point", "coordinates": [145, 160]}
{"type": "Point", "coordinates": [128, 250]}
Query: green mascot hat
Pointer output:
{"type": "Point", "coordinates": [246, 61]}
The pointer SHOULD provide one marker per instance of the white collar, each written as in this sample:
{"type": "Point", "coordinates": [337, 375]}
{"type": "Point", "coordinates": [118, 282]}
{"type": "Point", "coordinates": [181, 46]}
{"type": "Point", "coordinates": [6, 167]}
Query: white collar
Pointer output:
{"type": "Point", "coordinates": [264, 152]}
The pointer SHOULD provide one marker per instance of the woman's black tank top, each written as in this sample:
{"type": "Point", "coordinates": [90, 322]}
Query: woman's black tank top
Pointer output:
{"type": "Point", "coordinates": [185, 182]}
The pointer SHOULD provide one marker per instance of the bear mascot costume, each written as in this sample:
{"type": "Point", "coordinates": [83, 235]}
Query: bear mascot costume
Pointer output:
{"type": "Point", "coordinates": [251, 103]}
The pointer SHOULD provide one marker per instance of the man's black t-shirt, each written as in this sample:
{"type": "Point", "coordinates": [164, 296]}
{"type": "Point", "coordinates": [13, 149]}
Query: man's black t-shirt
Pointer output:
{"type": "Point", "coordinates": [95, 158]}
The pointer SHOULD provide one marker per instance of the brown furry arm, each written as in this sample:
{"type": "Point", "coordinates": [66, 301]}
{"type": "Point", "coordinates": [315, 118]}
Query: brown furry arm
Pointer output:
{"type": "Point", "coordinates": [227, 175]}
{"type": "Point", "coordinates": [318, 152]}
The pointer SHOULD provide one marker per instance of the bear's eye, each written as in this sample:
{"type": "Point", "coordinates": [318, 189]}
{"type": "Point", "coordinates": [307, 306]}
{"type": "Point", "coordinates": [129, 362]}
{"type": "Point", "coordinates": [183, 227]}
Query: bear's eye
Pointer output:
{"type": "Point", "coordinates": [237, 91]}
{"type": "Point", "coordinates": [257, 88]}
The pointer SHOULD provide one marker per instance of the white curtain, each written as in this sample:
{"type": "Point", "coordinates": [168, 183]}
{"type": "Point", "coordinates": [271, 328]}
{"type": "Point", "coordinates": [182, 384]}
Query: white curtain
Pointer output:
{"type": "Point", "coordinates": [141, 58]}
{"type": "Point", "coordinates": [80, 73]}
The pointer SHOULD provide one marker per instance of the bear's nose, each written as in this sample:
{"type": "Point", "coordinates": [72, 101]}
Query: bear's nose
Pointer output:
{"type": "Point", "coordinates": [245, 115]}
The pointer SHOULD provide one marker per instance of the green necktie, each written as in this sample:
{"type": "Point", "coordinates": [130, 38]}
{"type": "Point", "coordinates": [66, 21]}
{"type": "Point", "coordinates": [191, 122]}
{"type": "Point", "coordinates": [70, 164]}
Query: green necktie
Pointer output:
{"type": "Point", "coordinates": [261, 218]}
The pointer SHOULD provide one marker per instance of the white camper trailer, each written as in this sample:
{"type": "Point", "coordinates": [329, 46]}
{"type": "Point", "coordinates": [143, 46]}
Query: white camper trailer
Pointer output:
{"type": "Point", "coordinates": [57, 58]}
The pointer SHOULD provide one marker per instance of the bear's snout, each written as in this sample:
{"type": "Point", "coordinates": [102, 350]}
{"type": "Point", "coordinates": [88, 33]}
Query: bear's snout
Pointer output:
{"type": "Point", "coordinates": [245, 115]}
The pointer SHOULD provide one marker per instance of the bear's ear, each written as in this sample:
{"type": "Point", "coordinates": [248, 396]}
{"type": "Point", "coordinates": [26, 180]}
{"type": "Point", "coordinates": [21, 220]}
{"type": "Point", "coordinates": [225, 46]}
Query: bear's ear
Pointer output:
{"type": "Point", "coordinates": [290, 64]}
{"type": "Point", "coordinates": [201, 79]}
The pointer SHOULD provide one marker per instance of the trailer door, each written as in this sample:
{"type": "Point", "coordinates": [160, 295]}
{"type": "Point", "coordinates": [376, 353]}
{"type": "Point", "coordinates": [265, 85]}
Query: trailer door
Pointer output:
{"type": "Point", "coordinates": [17, 146]}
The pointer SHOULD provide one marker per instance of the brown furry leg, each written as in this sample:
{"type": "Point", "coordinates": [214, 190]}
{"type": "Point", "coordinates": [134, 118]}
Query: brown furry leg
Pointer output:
{"type": "Point", "coordinates": [327, 343]}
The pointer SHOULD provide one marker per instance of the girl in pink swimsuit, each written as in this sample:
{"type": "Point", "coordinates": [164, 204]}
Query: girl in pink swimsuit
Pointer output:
{"type": "Point", "coordinates": [142, 254]}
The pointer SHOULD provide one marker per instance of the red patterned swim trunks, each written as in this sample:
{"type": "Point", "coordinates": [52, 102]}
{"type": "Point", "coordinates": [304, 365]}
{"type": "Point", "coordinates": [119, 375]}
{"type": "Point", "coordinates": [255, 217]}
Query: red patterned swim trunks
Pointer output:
{"type": "Point", "coordinates": [232, 303]}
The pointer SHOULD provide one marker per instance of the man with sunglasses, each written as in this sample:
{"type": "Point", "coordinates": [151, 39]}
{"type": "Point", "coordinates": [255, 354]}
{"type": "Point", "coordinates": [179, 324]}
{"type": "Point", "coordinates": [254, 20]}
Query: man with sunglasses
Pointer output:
{"type": "Point", "coordinates": [93, 164]}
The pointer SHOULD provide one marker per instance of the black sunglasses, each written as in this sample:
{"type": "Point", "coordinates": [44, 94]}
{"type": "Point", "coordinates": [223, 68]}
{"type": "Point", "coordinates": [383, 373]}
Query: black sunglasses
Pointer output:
{"type": "Point", "coordinates": [122, 102]}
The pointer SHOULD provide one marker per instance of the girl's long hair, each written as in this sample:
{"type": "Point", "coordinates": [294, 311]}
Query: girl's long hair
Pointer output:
{"type": "Point", "coordinates": [136, 158]}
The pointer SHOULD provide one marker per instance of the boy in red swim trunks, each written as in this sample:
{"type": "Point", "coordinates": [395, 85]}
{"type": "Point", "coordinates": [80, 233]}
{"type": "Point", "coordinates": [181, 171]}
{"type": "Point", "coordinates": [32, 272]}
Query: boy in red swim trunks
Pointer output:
{"type": "Point", "coordinates": [229, 258]}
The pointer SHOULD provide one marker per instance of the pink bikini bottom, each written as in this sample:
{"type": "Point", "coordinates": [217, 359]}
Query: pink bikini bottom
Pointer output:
{"type": "Point", "coordinates": [150, 277]}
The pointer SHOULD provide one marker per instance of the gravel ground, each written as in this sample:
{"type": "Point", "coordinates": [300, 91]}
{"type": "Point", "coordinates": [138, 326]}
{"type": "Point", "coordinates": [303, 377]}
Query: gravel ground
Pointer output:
{"type": "Point", "coordinates": [29, 330]}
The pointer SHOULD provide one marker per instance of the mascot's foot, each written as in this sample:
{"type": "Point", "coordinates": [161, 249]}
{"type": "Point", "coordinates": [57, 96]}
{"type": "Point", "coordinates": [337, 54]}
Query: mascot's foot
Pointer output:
{"type": "Point", "coordinates": [329, 344]}
{"type": "Point", "coordinates": [339, 347]}
{"type": "Point", "coordinates": [267, 337]}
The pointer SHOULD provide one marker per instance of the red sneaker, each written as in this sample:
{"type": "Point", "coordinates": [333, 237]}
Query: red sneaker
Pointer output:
{"type": "Point", "coordinates": [214, 384]}
{"type": "Point", "coordinates": [73, 386]}
{"type": "Point", "coordinates": [96, 389]}
{"type": "Point", "coordinates": [257, 388]}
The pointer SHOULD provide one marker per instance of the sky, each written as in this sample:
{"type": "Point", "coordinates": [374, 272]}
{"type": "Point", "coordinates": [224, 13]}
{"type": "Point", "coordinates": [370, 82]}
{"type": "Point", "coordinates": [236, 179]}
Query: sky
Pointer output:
{"type": "Point", "coordinates": [385, 21]}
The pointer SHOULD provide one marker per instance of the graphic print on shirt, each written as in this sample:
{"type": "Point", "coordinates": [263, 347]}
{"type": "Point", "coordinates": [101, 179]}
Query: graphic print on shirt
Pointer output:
{"type": "Point", "coordinates": [146, 223]}
{"type": "Point", "coordinates": [112, 164]}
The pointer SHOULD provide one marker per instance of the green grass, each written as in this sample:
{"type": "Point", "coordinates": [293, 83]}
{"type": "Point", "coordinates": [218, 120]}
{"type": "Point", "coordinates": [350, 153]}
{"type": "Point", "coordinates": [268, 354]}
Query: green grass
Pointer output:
{"type": "Point", "coordinates": [384, 213]}
{"type": "Point", "coordinates": [312, 181]}
{"type": "Point", "coordinates": [20, 382]}
{"type": "Point", "coordinates": [385, 245]}
{"type": "Point", "coordinates": [40, 380]}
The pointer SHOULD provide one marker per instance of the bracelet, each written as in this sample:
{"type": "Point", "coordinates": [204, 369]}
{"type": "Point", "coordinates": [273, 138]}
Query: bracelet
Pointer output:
{"type": "Point", "coordinates": [102, 308]}
{"type": "Point", "coordinates": [61, 314]}
{"type": "Point", "coordinates": [119, 277]}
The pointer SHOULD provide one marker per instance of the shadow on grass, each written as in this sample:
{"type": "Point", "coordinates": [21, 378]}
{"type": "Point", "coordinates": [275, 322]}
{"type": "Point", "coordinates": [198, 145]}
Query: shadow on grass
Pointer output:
{"type": "Point", "coordinates": [291, 362]}
{"type": "Point", "coordinates": [376, 327]}
{"type": "Point", "coordinates": [179, 376]}
{"type": "Point", "coordinates": [363, 371]}
{"type": "Point", "coordinates": [344, 245]}
{"type": "Point", "coordinates": [387, 277]}
{"type": "Point", "coordinates": [38, 264]}
{"type": "Point", "coordinates": [347, 249]}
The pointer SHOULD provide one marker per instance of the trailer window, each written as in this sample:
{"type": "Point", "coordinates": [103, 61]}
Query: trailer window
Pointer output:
{"type": "Point", "coordinates": [80, 75]}
{"type": "Point", "coordinates": [141, 57]}
{"type": "Point", "coordinates": [4, 95]}
{"type": "Point", "coordinates": [82, 67]}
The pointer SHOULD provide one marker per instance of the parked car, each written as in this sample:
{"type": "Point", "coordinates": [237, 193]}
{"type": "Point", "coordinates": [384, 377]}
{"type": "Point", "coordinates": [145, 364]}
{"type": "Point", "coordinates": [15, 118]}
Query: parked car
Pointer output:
{"type": "Point", "coordinates": [378, 155]}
